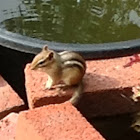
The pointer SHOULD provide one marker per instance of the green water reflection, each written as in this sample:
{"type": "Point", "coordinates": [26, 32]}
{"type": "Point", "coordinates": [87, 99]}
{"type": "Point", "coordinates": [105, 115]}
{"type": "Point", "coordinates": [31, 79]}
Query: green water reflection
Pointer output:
{"type": "Point", "coordinates": [77, 21]}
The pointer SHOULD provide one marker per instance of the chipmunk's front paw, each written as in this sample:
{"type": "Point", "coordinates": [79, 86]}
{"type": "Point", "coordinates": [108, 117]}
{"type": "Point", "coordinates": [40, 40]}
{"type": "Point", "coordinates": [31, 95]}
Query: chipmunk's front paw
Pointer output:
{"type": "Point", "coordinates": [48, 85]}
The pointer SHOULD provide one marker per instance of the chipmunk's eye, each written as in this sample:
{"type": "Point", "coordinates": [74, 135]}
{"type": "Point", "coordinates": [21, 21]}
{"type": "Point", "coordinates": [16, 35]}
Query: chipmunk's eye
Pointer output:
{"type": "Point", "coordinates": [41, 62]}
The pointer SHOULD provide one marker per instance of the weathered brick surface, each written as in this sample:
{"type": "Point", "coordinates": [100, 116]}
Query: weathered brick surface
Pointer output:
{"type": "Point", "coordinates": [108, 88]}
{"type": "Point", "coordinates": [111, 74]}
{"type": "Point", "coordinates": [9, 100]}
{"type": "Point", "coordinates": [37, 94]}
{"type": "Point", "coordinates": [55, 122]}
{"type": "Point", "coordinates": [8, 127]}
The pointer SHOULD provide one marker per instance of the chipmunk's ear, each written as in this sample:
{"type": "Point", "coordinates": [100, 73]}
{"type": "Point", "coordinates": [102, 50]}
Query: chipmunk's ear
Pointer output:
{"type": "Point", "coordinates": [45, 48]}
{"type": "Point", "coordinates": [50, 56]}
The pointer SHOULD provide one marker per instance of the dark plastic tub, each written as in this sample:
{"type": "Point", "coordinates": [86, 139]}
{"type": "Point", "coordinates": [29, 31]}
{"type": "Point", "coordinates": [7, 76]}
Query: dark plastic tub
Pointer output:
{"type": "Point", "coordinates": [89, 51]}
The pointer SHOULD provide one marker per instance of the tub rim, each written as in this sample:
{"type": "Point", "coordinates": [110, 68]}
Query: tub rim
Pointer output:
{"type": "Point", "coordinates": [89, 51]}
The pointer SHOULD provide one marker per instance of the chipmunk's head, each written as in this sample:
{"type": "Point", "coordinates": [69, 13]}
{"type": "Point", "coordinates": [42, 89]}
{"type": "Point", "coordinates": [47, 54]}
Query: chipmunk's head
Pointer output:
{"type": "Point", "coordinates": [43, 59]}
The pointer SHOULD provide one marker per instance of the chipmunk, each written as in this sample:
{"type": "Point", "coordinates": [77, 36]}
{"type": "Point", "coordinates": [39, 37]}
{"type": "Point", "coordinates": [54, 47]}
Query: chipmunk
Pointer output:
{"type": "Point", "coordinates": [66, 68]}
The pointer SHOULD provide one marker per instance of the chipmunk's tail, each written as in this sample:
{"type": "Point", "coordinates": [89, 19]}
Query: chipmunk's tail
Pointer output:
{"type": "Point", "coordinates": [77, 94]}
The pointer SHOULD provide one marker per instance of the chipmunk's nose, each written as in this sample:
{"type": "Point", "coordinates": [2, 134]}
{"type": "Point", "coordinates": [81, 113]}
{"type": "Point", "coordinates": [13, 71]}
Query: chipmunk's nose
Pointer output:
{"type": "Point", "coordinates": [33, 67]}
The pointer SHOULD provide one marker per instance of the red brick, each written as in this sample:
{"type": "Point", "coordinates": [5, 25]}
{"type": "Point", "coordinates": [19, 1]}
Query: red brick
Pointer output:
{"type": "Point", "coordinates": [10, 101]}
{"type": "Point", "coordinates": [36, 93]}
{"type": "Point", "coordinates": [55, 122]}
{"type": "Point", "coordinates": [111, 74]}
{"type": "Point", "coordinates": [8, 127]}
{"type": "Point", "coordinates": [108, 88]}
